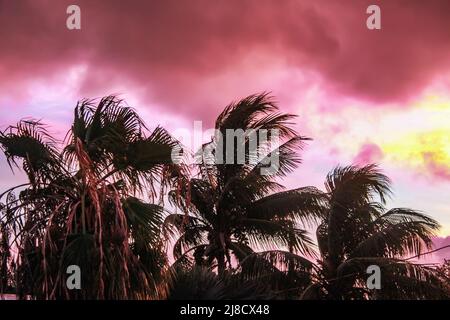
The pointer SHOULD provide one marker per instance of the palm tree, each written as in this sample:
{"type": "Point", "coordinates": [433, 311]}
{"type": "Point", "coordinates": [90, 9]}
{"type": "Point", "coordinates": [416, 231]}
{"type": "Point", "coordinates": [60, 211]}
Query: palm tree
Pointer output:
{"type": "Point", "coordinates": [358, 231]}
{"type": "Point", "coordinates": [232, 210]}
{"type": "Point", "coordinates": [90, 202]}
{"type": "Point", "coordinates": [80, 205]}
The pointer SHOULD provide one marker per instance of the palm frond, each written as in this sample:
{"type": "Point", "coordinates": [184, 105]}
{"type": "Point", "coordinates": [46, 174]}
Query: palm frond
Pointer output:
{"type": "Point", "coordinates": [30, 142]}
{"type": "Point", "coordinates": [267, 234]}
{"type": "Point", "coordinates": [399, 231]}
{"type": "Point", "coordinates": [305, 205]}
{"type": "Point", "coordinates": [145, 221]}
{"type": "Point", "coordinates": [351, 183]}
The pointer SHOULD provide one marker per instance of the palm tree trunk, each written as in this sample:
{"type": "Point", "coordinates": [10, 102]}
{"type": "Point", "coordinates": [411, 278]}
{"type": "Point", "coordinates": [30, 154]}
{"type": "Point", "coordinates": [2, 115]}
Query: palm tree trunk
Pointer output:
{"type": "Point", "coordinates": [220, 264]}
{"type": "Point", "coordinates": [4, 250]}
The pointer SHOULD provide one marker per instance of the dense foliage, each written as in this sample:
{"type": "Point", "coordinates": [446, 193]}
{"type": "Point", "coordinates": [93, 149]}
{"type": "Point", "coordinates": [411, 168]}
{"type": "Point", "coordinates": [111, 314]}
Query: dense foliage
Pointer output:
{"type": "Point", "coordinates": [228, 231]}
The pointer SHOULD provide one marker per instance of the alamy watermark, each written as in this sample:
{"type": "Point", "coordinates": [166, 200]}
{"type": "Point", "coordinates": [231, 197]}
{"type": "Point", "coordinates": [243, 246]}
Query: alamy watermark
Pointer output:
{"type": "Point", "coordinates": [257, 147]}
{"type": "Point", "coordinates": [373, 22]}
{"type": "Point", "coordinates": [374, 280]}
{"type": "Point", "coordinates": [74, 279]}
{"type": "Point", "coordinates": [73, 21]}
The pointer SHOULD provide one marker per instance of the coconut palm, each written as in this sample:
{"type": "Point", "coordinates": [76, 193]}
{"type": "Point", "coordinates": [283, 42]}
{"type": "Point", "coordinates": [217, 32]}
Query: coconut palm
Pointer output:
{"type": "Point", "coordinates": [358, 231]}
{"type": "Point", "coordinates": [80, 205]}
{"type": "Point", "coordinates": [235, 216]}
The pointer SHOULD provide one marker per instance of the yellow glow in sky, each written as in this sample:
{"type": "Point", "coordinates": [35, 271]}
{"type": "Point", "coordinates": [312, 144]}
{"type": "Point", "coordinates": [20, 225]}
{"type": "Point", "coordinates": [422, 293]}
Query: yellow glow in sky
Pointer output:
{"type": "Point", "coordinates": [423, 139]}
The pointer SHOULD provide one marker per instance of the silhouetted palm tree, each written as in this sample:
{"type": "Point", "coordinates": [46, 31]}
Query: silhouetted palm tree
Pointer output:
{"type": "Point", "coordinates": [358, 231]}
{"type": "Point", "coordinates": [80, 205]}
{"type": "Point", "coordinates": [234, 211]}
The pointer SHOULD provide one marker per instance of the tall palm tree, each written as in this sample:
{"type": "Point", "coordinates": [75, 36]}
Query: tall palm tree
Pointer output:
{"type": "Point", "coordinates": [358, 231]}
{"type": "Point", "coordinates": [80, 205]}
{"type": "Point", "coordinates": [231, 211]}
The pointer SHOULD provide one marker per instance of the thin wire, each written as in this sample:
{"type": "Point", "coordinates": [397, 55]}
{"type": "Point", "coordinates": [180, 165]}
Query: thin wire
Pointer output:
{"type": "Point", "coordinates": [422, 254]}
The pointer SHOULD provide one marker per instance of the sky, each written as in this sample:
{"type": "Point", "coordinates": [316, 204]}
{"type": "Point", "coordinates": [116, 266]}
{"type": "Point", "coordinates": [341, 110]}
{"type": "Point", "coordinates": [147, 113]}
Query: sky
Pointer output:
{"type": "Point", "coordinates": [362, 95]}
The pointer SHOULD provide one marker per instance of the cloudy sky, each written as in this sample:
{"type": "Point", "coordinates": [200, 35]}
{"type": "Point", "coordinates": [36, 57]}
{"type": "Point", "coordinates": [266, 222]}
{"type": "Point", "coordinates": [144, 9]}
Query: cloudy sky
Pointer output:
{"type": "Point", "coordinates": [363, 95]}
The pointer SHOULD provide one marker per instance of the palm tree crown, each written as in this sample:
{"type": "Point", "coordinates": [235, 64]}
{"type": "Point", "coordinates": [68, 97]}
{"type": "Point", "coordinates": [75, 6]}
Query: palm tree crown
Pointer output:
{"type": "Point", "coordinates": [235, 210]}
{"type": "Point", "coordinates": [79, 207]}
{"type": "Point", "coordinates": [358, 231]}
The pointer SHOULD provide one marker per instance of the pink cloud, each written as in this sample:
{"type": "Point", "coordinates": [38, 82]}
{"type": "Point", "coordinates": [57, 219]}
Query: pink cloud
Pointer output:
{"type": "Point", "coordinates": [190, 56]}
{"type": "Point", "coordinates": [186, 60]}
{"type": "Point", "coordinates": [436, 169]}
{"type": "Point", "coordinates": [368, 153]}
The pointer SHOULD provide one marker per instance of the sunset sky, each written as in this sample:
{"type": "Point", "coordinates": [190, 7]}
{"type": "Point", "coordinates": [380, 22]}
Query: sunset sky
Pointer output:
{"type": "Point", "coordinates": [363, 95]}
